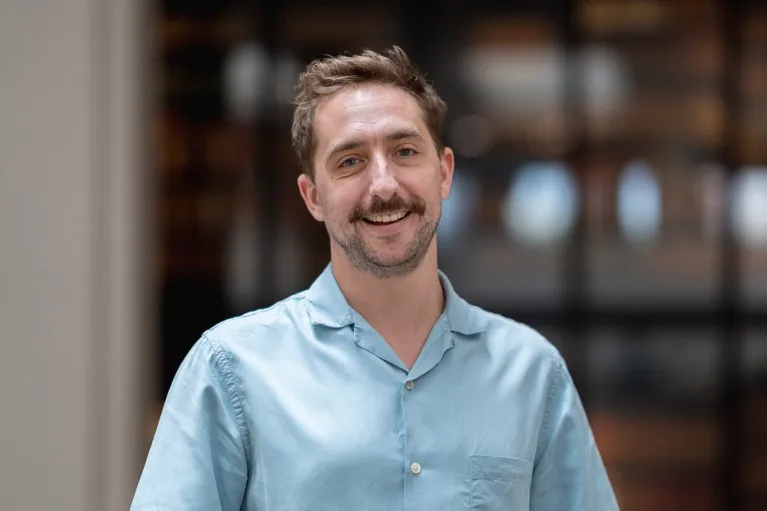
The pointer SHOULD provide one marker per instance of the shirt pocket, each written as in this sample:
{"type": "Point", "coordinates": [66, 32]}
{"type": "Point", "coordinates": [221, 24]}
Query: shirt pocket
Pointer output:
{"type": "Point", "coordinates": [499, 483]}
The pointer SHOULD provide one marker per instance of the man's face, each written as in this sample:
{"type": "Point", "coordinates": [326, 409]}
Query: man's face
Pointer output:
{"type": "Point", "coordinates": [379, 182]}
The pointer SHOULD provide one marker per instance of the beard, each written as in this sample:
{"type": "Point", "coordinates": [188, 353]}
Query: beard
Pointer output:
{"type": "Point", "coordinates": [365, 258]}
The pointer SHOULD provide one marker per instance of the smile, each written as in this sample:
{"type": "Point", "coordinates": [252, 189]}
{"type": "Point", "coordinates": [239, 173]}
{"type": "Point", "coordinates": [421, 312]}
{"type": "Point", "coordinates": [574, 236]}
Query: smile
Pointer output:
{"type": "Point", "coordinates": [386, 219]}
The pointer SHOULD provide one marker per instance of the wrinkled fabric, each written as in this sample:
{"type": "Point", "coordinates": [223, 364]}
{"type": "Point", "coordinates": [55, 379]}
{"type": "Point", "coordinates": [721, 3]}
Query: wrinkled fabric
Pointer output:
{"type": "Point", "coordinates": [304, 406]}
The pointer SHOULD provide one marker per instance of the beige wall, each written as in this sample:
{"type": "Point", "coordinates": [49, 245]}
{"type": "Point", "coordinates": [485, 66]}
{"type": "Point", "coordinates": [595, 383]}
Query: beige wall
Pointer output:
{"type": "Point", "coordinates": [73, 248]}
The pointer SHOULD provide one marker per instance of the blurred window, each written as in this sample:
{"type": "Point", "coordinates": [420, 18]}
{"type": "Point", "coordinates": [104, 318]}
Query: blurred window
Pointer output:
{"type": "Point", "coordinates": [640, 213]}
{"type": "Point", "coordinates": [541, 204]}
{"type": "Point", "coordinates": [749, 200]}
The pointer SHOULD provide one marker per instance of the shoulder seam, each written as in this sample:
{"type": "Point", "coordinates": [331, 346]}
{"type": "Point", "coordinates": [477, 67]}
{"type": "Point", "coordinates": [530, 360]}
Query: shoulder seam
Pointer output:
{"type": "Point", "coordinates": [222, 359]}
{"type": "Point", "coordinates": [295, 297]}
{"type": "Point", "coordinates": [556, 367]}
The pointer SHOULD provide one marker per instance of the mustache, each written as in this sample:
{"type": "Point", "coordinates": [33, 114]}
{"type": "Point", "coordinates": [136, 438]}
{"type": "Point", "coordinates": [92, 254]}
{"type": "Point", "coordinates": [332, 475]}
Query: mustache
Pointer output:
{"type": "Point", "coordinates": [381, 207]}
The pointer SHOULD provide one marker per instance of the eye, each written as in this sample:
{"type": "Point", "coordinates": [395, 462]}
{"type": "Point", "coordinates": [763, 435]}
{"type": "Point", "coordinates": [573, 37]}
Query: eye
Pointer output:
{"type": "Point", "coordinates": [406, 151]}
{"type": "Point", "coordinates": [349, 162]}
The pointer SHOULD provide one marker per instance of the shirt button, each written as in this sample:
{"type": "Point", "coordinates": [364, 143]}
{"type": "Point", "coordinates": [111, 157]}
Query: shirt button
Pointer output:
{"type": "Point", "coordinates": [415, 468]}
{"type": "Point", "coordinates": [409, 385]}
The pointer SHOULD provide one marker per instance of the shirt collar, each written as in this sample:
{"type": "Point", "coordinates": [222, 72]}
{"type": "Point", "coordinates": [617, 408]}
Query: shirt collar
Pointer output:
{"type": "Point", "coordinates": [327, 306]}
{"type": "Point", "coordinates": [326, 303]}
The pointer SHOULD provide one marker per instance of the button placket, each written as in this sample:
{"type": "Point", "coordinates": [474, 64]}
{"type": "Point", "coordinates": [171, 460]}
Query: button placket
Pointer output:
{"type": "Point", "coordinates": [413, 468]}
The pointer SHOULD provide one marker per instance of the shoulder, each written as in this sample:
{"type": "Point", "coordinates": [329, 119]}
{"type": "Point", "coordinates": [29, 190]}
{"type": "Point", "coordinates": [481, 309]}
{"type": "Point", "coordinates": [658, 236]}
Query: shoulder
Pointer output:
{"type": "Point", "coordinates": [507, 336]}
{"type": "Point", "coordinates": [258, 327]}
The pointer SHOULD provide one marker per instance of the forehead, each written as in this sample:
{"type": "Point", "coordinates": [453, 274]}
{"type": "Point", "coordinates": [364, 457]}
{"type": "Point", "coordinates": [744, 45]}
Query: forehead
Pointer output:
{"type": "Point", "coordinates": [364, 111]}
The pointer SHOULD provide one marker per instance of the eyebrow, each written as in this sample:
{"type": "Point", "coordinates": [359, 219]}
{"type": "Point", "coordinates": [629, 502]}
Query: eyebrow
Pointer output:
{"type": "Point", "coordinates": [396, 135]}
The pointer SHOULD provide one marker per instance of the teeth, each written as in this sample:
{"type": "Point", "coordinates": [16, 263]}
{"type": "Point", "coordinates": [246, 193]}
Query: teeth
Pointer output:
{"type": "Point", "coordinates": [381, 219]}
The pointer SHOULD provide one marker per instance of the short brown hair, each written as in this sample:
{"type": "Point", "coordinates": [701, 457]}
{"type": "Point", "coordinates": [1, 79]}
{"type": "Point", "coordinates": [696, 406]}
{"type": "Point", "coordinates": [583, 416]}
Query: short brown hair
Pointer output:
{"type": "Point", "coordinates": [324, 77]}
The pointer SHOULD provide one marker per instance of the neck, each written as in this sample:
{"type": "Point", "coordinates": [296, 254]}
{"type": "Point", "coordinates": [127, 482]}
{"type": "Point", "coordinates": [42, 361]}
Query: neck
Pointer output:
{"type": "Point", "coordinates": [412, 302]}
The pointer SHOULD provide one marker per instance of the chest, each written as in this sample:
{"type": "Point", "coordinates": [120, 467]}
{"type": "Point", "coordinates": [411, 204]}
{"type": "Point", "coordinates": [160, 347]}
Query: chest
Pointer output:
{"type": "Point", "coordinates": [453, 439]}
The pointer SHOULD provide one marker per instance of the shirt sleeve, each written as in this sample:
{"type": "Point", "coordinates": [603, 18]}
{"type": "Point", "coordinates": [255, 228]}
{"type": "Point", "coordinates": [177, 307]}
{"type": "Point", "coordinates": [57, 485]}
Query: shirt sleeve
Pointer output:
{"type": "Point", "coordinates": [569, 474]}
{"type": "Point", "coordinates": [198, 460]}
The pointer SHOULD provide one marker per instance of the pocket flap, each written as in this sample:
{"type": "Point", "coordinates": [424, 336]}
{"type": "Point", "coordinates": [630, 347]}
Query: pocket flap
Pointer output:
{"type": "Point", "coordinates": [496, 467]}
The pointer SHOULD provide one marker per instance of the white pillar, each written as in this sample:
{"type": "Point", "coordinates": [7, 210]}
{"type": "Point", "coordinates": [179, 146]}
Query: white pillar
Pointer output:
{"type": "Point", "coordinates": [75, 364]}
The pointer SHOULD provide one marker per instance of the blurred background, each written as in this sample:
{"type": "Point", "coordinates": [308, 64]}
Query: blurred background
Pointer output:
{"type": "Point", "coordinates": [610, 190]}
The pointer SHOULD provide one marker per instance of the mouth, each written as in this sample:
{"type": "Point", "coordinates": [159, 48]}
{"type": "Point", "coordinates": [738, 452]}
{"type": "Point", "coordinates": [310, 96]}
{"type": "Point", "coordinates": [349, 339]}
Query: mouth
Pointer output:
{"type": "Point", "coordinates": [386, 219]}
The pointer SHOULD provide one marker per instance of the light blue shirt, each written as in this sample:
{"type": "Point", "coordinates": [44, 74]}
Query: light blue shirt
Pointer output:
{"type": "Point", "coordinates": [303, 406]}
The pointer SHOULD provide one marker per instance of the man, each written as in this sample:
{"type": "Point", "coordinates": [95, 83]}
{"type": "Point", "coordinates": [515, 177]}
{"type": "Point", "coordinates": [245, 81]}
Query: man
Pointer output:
{"type": "Point", "coordinates": [377, 388]}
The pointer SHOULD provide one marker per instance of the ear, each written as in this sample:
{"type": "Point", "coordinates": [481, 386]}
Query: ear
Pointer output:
{"type": "Point", "coordinates": [309, 193]}
{"type": "Point", "coordinates": [447, 165]}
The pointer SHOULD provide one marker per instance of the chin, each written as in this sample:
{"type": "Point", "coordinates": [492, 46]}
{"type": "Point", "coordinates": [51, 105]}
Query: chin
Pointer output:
{"type": "Point", "coordinates": [389, 260]}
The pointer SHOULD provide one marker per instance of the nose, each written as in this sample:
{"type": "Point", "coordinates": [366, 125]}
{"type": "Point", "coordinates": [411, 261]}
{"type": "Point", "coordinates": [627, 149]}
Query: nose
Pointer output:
{"type": "Point", "coordinates": [383, 180]}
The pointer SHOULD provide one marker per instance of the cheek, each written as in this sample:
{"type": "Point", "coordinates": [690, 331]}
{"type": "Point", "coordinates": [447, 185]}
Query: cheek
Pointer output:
{"type": "Point", "coordinates": [348, 195]}
{"type": "Point", "coordinates": [336, 207]}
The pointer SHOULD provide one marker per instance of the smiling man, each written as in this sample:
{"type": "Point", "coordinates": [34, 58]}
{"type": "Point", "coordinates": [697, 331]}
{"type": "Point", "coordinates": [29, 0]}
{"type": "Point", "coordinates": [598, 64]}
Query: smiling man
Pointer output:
{"type": "Point", "coordinates": [377, 388]}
